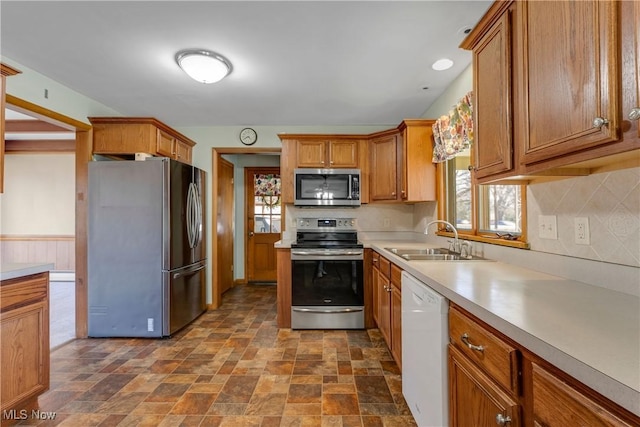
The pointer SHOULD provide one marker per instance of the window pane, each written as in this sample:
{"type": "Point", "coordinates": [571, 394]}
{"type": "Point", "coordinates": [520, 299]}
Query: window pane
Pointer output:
{"type": "Point", "coordinates": [459, 208]}
{"type": "Point", "coordinates": [500, 209]}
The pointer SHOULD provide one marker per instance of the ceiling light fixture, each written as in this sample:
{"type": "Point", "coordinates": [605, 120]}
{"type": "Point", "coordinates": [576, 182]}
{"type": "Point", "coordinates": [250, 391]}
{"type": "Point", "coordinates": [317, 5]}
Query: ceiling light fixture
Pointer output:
{"type": "Point", "coordinates": [442, 64]}
{"type": "Point", "coordinates": [203, 66]}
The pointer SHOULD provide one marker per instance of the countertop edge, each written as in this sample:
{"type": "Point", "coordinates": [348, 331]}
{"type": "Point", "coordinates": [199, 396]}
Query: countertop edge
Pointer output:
{"type": "Point", "coordinates": [609, 387]}
{"type": "Point", "coordinates": [10, 271]}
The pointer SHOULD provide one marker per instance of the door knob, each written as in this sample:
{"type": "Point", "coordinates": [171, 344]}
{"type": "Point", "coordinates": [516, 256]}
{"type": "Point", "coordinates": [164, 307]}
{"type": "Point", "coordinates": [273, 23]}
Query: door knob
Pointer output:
{"type": "Point", "coordinates": [251, 233]}
{"type": "Point", "coordinates": [501, 420]}
{"type": "Point", "coordinates": [598, 122]}
{"type": "Point", "coordinates": [634, 114]}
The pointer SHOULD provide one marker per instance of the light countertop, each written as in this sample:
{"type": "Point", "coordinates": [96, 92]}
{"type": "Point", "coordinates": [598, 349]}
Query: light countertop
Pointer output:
{"type": "Point", "coordinates": [13, 270]}
{"type": "Point", "coordinates": [591, 333]}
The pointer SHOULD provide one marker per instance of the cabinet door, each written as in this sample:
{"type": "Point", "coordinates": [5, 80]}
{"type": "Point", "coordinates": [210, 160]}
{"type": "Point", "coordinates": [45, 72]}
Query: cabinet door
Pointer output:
{"type": "Point", "coordinates": [375, 283]}
{"type": "Point", "coordinates": [312, 154]}
{"type": "Point", "coordinates": [631, 67]}
{"type": "Point", "coordinates": [493, 148]}
{"type": "Point", "coordinates": [396, 325]}
{"type": "Point", "coordinates": [165, 144]}
{"type": "Point", "coordinates": [557, 404]}
{"type": "Point", "coordinates": [343, 154]}
{"type": "Point", "coordinates": [25, 362]}
{"type": "Point", "coordinates": [182, 152]}
{"type": "Point", "coordinates": [384, 308]}
{"type": "Point", "coordinates": [571, 76]}
{"type": "Point", "coordinates": [384, 169]}
{"type": "Point", "coordinates": [474, 400]}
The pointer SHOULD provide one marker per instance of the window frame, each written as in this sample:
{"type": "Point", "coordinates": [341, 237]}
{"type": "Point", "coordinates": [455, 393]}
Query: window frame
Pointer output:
{"type": "Point", "coordinates": [474, 234]}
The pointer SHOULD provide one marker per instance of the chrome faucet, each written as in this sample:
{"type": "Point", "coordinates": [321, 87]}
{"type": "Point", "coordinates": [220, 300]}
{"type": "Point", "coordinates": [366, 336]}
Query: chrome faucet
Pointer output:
{"type": "Point", "coordinates": [456, 241]}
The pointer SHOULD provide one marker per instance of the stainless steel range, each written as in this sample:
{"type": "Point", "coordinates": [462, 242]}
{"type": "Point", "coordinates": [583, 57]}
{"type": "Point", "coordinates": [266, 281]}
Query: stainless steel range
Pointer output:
{"type": "Point", "coordinates": [327, 275]}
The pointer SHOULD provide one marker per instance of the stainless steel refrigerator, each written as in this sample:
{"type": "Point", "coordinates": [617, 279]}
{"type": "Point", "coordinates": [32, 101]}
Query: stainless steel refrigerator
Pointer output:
{"type": "Point", "coordinates": [146, 252]}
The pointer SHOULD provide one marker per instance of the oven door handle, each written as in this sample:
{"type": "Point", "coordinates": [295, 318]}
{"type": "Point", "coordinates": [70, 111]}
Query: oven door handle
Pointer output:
{"type": "Point", "coordinates": [332, 253]}
{"type": "Point", "coordinates": [317, 310]}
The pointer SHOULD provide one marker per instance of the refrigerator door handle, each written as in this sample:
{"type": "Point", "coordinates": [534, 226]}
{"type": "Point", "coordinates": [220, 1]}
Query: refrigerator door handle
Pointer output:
{"type": "Point", "coordinates": [192, 215]}
{"type": "Point", "coordinates": [188, 271]}
{"type": "Point", "coordinates": [198, 216]}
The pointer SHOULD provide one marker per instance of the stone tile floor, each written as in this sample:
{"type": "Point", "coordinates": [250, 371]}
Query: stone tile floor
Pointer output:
{"type": "Point", "coordinates": [231, 367]}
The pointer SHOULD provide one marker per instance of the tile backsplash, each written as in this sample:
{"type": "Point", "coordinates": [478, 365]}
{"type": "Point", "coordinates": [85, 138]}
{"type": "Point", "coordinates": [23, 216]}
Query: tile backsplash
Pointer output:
{"type": "Point", "coordinates": [610, 201]}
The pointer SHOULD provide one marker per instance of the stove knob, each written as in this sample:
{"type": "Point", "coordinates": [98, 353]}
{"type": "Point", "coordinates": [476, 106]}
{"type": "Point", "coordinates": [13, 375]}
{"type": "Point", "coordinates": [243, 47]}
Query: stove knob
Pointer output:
{"type": "Point", "coordinates": [339, 223]}
{"type": "Point", "coordinates": [353, 222]}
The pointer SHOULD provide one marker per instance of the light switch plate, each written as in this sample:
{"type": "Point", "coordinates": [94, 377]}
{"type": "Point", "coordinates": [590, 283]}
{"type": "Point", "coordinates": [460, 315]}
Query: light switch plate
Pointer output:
{"type": "Point", "coordinates": [548, 227]}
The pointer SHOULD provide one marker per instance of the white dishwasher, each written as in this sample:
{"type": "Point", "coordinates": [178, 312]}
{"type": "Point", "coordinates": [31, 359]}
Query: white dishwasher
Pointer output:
{"type": "Point", "coordinates": [425, 337]}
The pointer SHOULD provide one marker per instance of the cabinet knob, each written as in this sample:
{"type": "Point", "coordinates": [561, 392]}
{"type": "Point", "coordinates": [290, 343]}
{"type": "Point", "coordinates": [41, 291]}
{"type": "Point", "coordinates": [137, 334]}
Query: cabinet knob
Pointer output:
{"type": "Point", "coordinates": [634, 114]}
{"type": "Point", "coordinates": [502, 420]}
{"type": "Point", "coordinates": [331, 162]}
{"type": "Point", "coordinates": [393, 194]}
{"type": "Point", "coordinates": [598, 122]}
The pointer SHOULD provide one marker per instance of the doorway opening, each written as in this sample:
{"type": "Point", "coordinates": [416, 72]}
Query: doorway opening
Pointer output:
{"type": "Point", "coordinates": [52, 145]}
{"type": "Point", "coordinates": [241, 158]}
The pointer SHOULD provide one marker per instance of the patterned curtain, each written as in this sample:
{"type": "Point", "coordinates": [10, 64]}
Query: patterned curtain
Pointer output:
{"type": "Point", "coordinates": [453, 132]}
{"type": "Point", "coordinates": [266, 185]}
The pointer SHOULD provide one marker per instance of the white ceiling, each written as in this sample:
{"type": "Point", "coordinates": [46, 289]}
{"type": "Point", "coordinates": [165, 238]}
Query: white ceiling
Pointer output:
{"type": "Point", "coordinates": [295, 62]}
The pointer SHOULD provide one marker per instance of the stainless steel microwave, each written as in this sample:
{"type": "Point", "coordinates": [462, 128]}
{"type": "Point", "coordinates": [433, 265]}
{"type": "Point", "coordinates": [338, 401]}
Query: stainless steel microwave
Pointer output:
{"type": "Point", "coordinates": [326, 187]}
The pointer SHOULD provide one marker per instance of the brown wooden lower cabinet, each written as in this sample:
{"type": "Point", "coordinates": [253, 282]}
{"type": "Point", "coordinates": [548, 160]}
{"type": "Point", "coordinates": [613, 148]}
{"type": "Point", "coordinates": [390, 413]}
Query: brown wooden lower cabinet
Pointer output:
{"type": "Point", "coordinates": [557, 404]}
{"type": "Point", "coordinates": [24, 334]}
{"type": "Point", "coordinates": [495, 381]}
{"type": "Point", "coordinates": [475, 399]}
{"type": "Point", "coordinates": [387, 304]}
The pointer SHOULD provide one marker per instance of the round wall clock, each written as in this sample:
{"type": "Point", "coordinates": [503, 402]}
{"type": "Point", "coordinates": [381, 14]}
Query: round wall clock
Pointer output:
{"type": "Point", "coordinates": [248, 136]}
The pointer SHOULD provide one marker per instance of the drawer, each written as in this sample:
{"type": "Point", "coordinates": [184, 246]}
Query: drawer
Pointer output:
{"type": "Point", "coordinates": [385, 267]}
{"type": "Point", "coordinates": [23, 291]}
{"type": "Point", "coordinates": [492, 354]}
{"type": "Point", "coordinates": [396, 276]}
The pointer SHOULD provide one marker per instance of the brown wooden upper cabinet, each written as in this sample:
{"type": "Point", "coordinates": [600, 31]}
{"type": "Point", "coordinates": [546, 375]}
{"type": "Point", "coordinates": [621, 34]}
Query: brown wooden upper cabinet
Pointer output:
{"type": "Point", "coordinates": [401, 163]}
{"type": "Point", "coordinates": [122, 135]}
{"type": "Point", "coordinates": [556, 88]}
{"type": "Point", "coordinates": [321, 153]}
{"type": "Point", "coordinates": [385, 166]}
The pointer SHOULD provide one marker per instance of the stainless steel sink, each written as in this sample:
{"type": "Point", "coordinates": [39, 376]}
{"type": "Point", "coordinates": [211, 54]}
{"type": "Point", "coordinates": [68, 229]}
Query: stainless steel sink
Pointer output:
{"type": "Point", "coordinates": [432, 254]}
{"type": "Point", "coordinates": [441, 257]}
{"type": "Point", "coordinates": [424, 251]}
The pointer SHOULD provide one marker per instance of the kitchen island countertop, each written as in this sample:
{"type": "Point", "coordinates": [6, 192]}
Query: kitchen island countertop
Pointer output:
{"type": "Point", "coordinates": [590, 332]}
{"type": "Point", "coordinates": [13, 270]}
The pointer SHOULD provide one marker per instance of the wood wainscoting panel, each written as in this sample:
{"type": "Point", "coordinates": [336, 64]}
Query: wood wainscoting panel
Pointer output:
{"type": "Point", "coordinates": [59, 250]}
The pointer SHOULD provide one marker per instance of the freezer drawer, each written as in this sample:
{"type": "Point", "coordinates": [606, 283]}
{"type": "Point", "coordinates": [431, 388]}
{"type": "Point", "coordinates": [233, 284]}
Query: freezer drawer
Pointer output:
{"type": "Point", "coordinates": [186, 299]}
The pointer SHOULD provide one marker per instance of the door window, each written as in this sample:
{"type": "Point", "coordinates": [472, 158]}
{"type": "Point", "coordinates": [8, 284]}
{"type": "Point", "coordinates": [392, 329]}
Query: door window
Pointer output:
{"type": "Point", "coordinates": [267, 206]}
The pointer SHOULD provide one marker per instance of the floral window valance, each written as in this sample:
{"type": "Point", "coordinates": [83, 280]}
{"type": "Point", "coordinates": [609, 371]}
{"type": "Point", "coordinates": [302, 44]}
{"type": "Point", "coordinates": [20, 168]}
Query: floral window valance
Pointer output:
{"type": "Point", "coordinates": [453, 132]}
{"type": "Point", "coordinates": [266, 185]}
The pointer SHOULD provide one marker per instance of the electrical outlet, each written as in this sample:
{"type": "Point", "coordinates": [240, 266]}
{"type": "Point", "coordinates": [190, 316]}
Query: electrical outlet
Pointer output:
{"type": "Point", "coordinates": [386, 223]}
{"type": "Point", "coordinates": [581, 231]}
{"type": "Point", "coordinates": [548, 227]}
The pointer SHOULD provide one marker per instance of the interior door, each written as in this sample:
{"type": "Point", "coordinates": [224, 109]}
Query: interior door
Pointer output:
{"type": "Point", "coordinates": [263, 225]}
{"type": "Point", "coordinates": [224, 226]}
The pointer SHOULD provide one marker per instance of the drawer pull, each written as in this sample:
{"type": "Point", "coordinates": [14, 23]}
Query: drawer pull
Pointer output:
{"type": "Point", "coordinates": [501, 420]}
{"type": "Point", "coordinates": [465, 340]}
